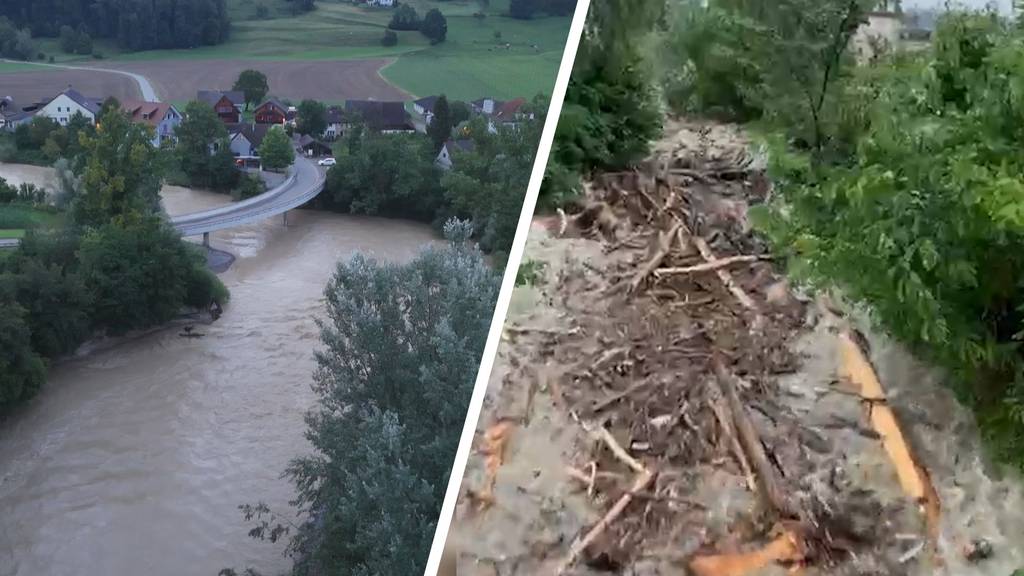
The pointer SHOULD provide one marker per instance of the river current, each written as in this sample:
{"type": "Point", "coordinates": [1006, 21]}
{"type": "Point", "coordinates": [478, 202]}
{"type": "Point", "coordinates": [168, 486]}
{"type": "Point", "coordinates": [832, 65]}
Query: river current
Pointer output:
{"type": "Point", "coordinates": [134, 457]}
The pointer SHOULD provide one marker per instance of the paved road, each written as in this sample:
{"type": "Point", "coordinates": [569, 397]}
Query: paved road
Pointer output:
{"type": "Point", "coordinates": [145, 88]}
{"type": "Point", "coordinates": [304, 183]}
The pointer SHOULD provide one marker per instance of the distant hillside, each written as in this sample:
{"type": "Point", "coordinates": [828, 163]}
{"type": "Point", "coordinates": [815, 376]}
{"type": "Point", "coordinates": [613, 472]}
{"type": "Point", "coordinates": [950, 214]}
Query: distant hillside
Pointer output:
{"type": "Point", "coordinates": [132, 24]}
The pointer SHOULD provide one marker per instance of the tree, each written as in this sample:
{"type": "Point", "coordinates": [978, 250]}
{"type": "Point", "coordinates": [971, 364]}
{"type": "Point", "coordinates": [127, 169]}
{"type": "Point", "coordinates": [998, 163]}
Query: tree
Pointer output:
{"type": "Point", "coordinates": [68, 39]}
{"type": "Point", "coordinates": [401, 348]}
{"type": "Point", "coordinates": [311, 118]}
{"type": "Point", "coordinates": [405, 18]}
{"type": "Point", "coordinates": [56, 305]}
{"type": "Point", "coordinates": [121, 179]}
{"type": "Point", "coordinates": [389, 38]}
{"type": "Point", "coordinates": [140, 273]}
{"type": "Point", "coordinates": [22, 371]}
{"type": "Point", "coordinates": [460, 112]}
{"type": "Point", "coordinates": [203, 151]}
{"type": "Point", "coordinates": [522, 9]}
{"type": "Point", "coordinates": [253, 84]}
{"type": "Point", "coordinates": [83, 42]}
{"type": "Point", "coordinates": [434, 26]}
{"type": "Point", "coordinates": [440, 127]}
{"type": "Point", "coordinates": [276, 152]}
{"type": "Point", "coordinates": [612, 111]}
{"type": "Point", "coordinates": [389, 175]}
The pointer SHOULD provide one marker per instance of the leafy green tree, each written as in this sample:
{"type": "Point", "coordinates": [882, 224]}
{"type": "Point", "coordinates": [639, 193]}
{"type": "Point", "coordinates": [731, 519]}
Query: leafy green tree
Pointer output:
{"type": "Point", "coordinates": [22, 371]}
{"type": "Point", "coordinates": [253, 84]}
{"type": "Point", "coordinates": [405, 18]}
{"type": "Point", "coordinates": [122, 175]}
{"type": "Point", "coordinates": [203, 151]}
{"type": "Point", "coordinates": [250, 186]}
{"type": "Point", "coordinates": [522, 9]}
{"type": "Point", "coordinates": [276, 151]}
{"type": "Point", "coordinates": [434, 26]}
{"type": "Point", "coordinates": [460, 112]}
{"type": "Point", "coordinates": [311, 118]}
{"type": "Point", "coordinates": [612, 111]}
{"type": "Point", "coordinates": [389, 38]}
{"type": "Point", "coordinates": [139, 272]}
{"type": "Point", "coordinates": [68, 39]}
{"type": "Point", "coordinates": [56, 306]}
{"type": "Point", "coordinates": [389, 174]}
{"type": "Point", "coordinates": [83, 42]}
{"type": "Point", "coordinates": [440, 127]}
{"type": "Point", "coordinates": [489, 183]}
{"type": "Point", "coordinates": [401, 348]}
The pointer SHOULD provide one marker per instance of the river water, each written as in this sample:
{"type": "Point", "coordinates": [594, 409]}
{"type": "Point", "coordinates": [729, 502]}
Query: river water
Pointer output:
{"type": "Point", "coordinates": [134, 458]}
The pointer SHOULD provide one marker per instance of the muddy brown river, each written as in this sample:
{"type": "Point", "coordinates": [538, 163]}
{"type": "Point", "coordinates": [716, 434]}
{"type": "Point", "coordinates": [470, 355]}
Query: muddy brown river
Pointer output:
{"type": "Point", "coordinates": [134, 457]}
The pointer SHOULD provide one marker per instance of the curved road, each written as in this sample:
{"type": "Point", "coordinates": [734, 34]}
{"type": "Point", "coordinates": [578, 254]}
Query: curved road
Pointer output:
{"type": "Point", "coordinates": [145, 88]}
{"type": "Point", "coordinates": [303, 184]}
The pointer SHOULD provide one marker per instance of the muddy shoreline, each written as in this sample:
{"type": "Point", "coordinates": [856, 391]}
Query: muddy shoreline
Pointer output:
{"type": "Point", "coordinates": [618, 358]}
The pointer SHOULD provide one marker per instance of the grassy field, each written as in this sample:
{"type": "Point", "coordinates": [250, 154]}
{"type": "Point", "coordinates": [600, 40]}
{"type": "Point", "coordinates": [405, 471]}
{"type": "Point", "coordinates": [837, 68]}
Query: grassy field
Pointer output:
{"type": "Point", "coordinates": [492, 55]}
{"type": "Point", "coordinates": [6, 234]}
{"type": "Point", "coordinates": [16, 218]}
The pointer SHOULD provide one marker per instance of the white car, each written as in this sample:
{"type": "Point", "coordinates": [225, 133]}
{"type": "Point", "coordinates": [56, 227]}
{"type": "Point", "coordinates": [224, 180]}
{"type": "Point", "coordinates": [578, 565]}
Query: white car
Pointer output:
{"type": "Point", "coordinates": [327, 162]}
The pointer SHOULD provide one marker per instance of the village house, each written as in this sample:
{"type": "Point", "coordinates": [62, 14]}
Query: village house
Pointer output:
{"type": "Point", "coordinates": [12, 115]}
{"type": "Point", "coordinates": [62, 107]}
{"type": "Point", "coordinates": [485, 106]}
{"type": "Point", "coordinates": [335, 119]}
{"type": "Point", "coordinates": [382, 3]}
{"type": "Point", "coordinates": [451, 148]}
{"type": "Point", "coordinates": [161, 116]}
{"type": "Point", "coordinates": [507, 114]}
{"type": "Point", "coordinates": [383, 117]}
{"type": "Point", "coordinates": [245, 139]}
{"type": "Point", "coordinates": [228, 105]}
{"type": "Point", "coordinates": [312, 147]}
{"type": "Point", "coordinates": [425, 108]}
{"type": "Point", "coordinates": [272, 112]}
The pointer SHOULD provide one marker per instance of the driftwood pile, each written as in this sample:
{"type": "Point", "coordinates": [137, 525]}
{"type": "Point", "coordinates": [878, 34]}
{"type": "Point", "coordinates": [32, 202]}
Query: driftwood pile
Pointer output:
{"type": "Point", "coordinates": [695, 455]}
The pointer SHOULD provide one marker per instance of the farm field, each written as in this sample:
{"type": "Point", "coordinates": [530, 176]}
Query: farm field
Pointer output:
{"type": "Point", "coordinates": [332, 53]}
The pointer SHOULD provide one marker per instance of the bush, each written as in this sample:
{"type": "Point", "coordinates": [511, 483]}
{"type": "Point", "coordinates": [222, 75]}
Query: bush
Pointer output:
{"type": "Point", "coordinates": [924, 222]}
{"type": "Point", "coordinates": [405, 18]}
{"type": "Point", "coordinates": [611, 111]}
{"type": "Point", "coordinates": [389, 39]}
{"type": "Point", "coordinates": [249, 186]}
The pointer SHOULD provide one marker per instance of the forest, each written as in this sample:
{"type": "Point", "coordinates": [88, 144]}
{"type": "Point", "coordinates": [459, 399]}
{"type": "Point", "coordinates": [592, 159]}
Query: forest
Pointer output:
{"type": "Point", "coordinates": [132, 24]}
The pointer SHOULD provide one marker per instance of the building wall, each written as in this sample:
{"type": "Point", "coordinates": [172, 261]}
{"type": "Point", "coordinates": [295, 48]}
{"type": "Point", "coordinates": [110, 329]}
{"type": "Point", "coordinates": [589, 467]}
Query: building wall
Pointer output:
{"type": "Point", "coordinates": [63, 108]}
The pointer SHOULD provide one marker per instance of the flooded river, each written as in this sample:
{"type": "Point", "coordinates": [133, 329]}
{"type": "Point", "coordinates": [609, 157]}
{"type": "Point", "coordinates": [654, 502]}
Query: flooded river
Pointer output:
{"type": "Point", "coordinates": [133, 459]}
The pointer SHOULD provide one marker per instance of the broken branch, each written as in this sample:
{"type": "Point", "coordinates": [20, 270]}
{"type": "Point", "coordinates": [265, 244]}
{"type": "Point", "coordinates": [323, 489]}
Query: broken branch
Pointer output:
{"type": "Point", "coordinates": [712, 265]}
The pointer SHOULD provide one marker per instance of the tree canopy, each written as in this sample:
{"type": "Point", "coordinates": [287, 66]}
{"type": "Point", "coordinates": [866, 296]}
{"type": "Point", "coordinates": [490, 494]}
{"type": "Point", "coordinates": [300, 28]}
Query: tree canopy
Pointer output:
{"type": "Point", "coordinates": [434, 26]}
{"type": "Point", "coordinates": [311, 118]}
{"type": "Point", "coordinates": [203, 152]}
{"type": "Point", "coordinates": [253, 84]}
{"type": "Point", "coordinates": [133, 25]}
{"type": "Point", "coordinates": [401, 345]}
{"type": "Point", "coordinates": [440, 127]}
{"type": "Point", "coordinates": [405, 18]}
{"type": "Point", "coordinates": [276, 151]}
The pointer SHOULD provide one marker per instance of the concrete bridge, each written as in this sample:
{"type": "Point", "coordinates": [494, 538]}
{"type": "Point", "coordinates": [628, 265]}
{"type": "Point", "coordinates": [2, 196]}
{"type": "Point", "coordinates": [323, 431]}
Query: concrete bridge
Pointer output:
{"type": "Point", "coordinates": [304, 183]}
